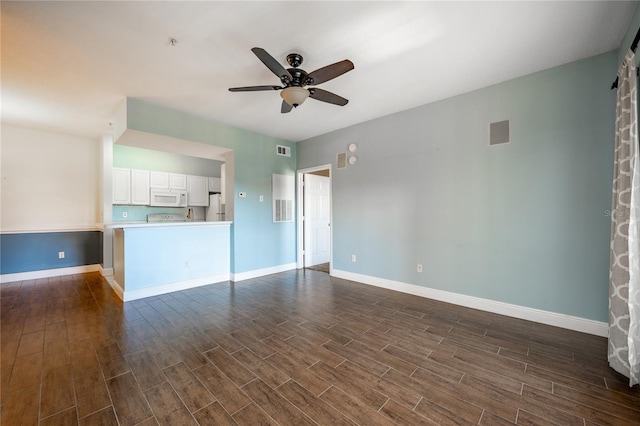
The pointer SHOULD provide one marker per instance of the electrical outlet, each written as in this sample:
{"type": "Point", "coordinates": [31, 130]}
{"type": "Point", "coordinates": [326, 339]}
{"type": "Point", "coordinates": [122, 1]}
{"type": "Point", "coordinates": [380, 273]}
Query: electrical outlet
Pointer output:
{"type": "Point", "coordinates": [419, 268]}
{"type": "Point", "coordinates": [242, 195]}
{"type": "Point", "coordinates": [60, 255]}
{"type": "Point", "coordinates": [261, 198]}
{"type": "Point", "coordinates": [124, 214]}
{"type": "Point", "coordinates": [353, 258]}
{"type": "Point", "coordinates": [186, 264]}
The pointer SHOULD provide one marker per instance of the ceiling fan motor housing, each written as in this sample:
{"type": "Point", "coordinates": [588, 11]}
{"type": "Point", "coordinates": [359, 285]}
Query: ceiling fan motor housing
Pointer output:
{"type": "Point", "coordinates": [297, 77]}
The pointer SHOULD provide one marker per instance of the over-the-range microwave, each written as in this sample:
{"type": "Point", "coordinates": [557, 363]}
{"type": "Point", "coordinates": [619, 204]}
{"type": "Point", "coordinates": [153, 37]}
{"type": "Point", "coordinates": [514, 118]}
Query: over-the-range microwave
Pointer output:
{"type": "Point", "coordinates": [168, 198]}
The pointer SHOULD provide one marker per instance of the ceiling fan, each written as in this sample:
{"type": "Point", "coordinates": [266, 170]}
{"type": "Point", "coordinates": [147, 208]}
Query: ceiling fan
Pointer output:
{"type": "Point", "coordinates": [295, 79]}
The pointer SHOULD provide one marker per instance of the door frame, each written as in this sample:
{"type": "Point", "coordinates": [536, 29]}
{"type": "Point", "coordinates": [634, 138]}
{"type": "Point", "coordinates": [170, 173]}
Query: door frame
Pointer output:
{"type": "Point", "coordinates": [300, 213]}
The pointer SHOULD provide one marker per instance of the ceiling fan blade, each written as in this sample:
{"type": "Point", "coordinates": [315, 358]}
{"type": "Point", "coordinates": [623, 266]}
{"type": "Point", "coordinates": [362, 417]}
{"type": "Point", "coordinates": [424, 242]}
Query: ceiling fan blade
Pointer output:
{"type": "Point", "coordinates": [253, 88]}
{"type": "Point", "coordinates": [271, 63]}
{"type": "Point", "coordinates": [328, 73]}
{"type": "Point", "coordinates": [325, 96]}
{"type": "Point", "coordinates": [285, 108]}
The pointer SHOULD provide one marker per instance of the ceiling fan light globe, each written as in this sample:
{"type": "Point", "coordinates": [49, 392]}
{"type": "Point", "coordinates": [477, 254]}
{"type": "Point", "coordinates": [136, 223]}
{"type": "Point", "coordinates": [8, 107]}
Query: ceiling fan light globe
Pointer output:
{"type": "Point", "coordinates": [294, 96]}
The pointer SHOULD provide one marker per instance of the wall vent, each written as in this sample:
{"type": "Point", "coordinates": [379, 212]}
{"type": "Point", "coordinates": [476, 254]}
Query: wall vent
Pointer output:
{"type": "Point", "coordinates": [285, 151]}
{"type": "Point", "coordinates": [342, 160]}
{"type": "Point", "coordinates": [499, 133]}
{"type": "Point", "coordinates": [283, 211]}
{"type": "Point", "coordinates": [284, 192]}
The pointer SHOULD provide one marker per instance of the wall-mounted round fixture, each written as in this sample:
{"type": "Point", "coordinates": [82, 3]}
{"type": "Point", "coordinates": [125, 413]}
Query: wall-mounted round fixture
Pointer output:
{"type": "Point", "coordinates": [353, 147]}
{"type": "Point", "coordinates": [353, 160]}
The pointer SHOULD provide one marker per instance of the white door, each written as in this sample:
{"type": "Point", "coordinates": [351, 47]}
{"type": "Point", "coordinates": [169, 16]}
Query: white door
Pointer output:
{"type": "Point", "coordinates": [317, 216]}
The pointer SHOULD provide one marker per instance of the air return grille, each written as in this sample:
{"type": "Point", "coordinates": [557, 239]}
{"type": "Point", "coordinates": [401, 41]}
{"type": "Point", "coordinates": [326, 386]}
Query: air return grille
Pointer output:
{"type": "Point", "coordinates": [285, 151]}
{"type": "Point", "coordinates": [283, 187]}
{"type": "Point", "coordinates": [342, 160]}
{"type": "Point", "coordinates": [499, 132]}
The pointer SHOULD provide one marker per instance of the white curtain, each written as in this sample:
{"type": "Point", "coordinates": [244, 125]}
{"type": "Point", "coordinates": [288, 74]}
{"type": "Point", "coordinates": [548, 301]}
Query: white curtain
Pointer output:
{"type": "Point", "coordinates": [624, 274]}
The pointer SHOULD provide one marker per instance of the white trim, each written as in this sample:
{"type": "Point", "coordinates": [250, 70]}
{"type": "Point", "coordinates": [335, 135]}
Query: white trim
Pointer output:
{"type": "Point", "coordinates": [262, 272]}
{"type": "Point", "coordinates": [531, 314]}
{"type": "Point", "coordinates": [166, 288]}
{"type": "Point", "coordinates": [46, 273]}
{"type": "Point", "coordinates": [115, 286]}
{"type": "Point", "coordinates": [300, 207]}
{"type": "Point", "coordinates": [141, 224]}
{"type": "Point", "coordinates": [106, 272]}
{"type": "Point", "coordinates": [78, 228]}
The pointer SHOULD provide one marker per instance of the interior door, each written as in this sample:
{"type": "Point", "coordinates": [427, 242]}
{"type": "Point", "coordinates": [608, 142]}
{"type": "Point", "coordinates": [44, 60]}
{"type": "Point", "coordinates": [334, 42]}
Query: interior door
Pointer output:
{"type": "Point", "coordinates": [317, 244]}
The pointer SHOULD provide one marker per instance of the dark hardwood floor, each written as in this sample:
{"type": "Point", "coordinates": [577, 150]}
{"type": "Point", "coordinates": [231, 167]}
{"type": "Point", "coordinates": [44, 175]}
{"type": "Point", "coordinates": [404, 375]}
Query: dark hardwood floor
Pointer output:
{"type": "Point", "coordinates": [293, 348]}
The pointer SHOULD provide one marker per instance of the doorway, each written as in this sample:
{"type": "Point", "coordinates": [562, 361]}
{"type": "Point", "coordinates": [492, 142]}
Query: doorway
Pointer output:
{"type": "Point", "coordinates": [314, 218]}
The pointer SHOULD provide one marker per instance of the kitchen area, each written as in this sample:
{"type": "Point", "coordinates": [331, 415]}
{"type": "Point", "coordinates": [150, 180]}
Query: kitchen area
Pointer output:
{"type": "Point", "coordinates": [171, 228]}
{"type": "Point", "coordinates": [140, 193]}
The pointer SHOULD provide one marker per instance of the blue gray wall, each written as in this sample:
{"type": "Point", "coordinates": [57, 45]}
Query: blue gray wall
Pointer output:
{"type": "Point", "coordinates": [523, 223]}
{"type": "Point", "coordinates": [37, 251]}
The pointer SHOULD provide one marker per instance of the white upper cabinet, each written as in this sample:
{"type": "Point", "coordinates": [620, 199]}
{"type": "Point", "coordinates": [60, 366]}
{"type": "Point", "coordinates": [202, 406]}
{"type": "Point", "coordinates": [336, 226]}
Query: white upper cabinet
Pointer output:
{"type": "Point", "coordinates": [198, 188]}
{"type": "Point", "coordinates": [121, 186]}
{"type": "Point", "coordinates": [223, 183]}
{"type": "Point", "coordinates": [177, 181]}
{"type": "Point", "coordinates": [166, 180]}
{"type": "Point", "coordinates": [131, 186]}
{"type": "Point", "coordinates": [214, 184]}
{"type": "Point", "coordinates": [140, 187]}
{"type": "Point", "coordinates": [159, 180]}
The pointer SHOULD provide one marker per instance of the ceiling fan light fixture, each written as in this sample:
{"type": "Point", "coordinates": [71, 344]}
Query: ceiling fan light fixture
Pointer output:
{"type": "Point", "coordinates": [294, 96]}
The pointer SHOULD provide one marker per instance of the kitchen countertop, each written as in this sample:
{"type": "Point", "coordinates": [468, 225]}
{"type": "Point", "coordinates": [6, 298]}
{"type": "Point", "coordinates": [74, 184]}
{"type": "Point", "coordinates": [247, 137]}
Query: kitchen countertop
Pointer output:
{"type": "Point", "coordinates": [165, 224]}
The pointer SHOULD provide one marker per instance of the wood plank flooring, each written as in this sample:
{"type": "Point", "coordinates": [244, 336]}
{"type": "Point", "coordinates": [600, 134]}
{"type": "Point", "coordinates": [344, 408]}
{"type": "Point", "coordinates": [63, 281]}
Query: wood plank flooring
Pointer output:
{"type": "Point", "coordinates": [296, 348]}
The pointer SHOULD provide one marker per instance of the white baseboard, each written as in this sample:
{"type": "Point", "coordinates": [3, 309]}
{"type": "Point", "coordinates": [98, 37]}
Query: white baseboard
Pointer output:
{"type": "Point", "coordinates": [46, 273]}
{"type": "Point", "coordinates": [183, 285]}
{"type": "Point", "coordinates": [262, 272]}
{"type": "Point", "coordinates": [536, 315]}
{"type": "Point", "coordinates": [166, 288]}
{"type": "Point", "coordinates": [115, 286]}
{"type": "Point", "coordinates": [107, 272]}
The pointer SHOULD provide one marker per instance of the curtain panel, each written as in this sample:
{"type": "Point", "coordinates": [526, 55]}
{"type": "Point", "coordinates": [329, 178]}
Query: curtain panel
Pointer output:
{"type": "Point", "coordinates": [624, 274]}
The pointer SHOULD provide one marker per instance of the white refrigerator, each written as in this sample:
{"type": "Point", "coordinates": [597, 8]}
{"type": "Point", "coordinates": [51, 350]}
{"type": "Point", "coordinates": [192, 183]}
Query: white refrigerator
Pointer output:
{"type": "Point", "coordinates": [215, 211]}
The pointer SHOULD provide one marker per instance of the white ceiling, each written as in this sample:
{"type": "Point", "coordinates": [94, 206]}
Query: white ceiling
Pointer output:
{"type": "Point", "coordinates": [67, 66]}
